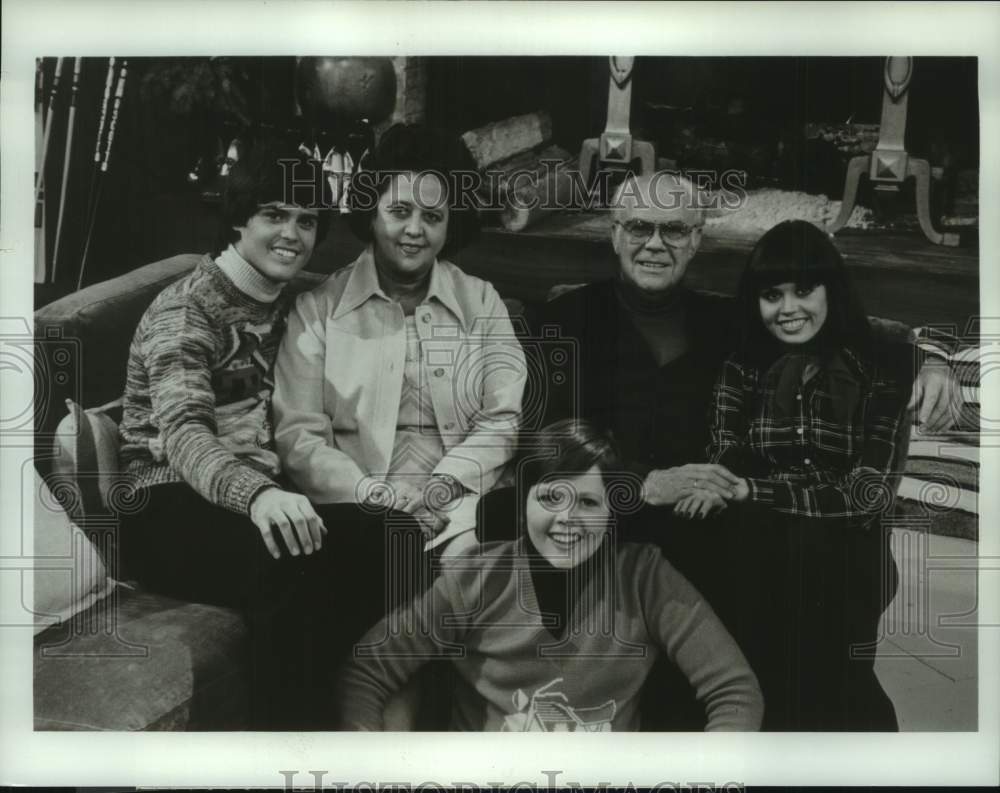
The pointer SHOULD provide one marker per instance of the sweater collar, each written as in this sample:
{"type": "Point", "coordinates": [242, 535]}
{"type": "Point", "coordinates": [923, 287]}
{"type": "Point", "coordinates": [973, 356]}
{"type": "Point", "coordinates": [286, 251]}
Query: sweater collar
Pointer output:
{"type": "Point", "coordinates": [532, 564]}
{"type": "Point", "coordinates": [639, 306]}
{"type": "Point", "coordinates": [246, 278]}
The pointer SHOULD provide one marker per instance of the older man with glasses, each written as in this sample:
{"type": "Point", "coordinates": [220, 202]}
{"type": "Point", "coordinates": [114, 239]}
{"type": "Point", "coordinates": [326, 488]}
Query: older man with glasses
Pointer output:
{"type": "Point", "coordinates": [649, 350]}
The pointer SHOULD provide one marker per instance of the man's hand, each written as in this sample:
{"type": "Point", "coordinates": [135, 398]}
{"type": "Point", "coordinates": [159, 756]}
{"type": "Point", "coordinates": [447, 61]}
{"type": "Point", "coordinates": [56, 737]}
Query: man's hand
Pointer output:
{"type": "Point", "coordinates": [936, 397]}
{"type": "Point", "coordinates": [670, 485]}
{"type": "Point", "coordinates": [292, 515]}
{"type": "Point", "coordinates": [699, 504]}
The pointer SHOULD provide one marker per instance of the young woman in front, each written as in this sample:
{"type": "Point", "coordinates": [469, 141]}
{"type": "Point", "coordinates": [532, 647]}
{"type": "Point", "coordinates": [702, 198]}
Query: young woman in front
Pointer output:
{"type": "Point", "coordinates": [557, 630]}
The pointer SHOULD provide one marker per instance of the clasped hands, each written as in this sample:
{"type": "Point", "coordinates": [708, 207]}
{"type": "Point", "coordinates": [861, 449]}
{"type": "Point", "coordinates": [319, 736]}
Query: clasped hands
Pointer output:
{"type": "Point", "coordinates": [428, 504]}
{"type": "Point", "coordinates": [696, 490]}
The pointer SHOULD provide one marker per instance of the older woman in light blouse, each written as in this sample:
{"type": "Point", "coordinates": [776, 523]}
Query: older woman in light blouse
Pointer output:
{"type": "Point", "coordinates": [399, 381]}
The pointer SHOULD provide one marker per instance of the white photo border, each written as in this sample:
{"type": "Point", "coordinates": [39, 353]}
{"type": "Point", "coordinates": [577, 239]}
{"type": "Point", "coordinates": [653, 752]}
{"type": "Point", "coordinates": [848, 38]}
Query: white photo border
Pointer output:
{"type": "Point", "coordinates": [39, 28]}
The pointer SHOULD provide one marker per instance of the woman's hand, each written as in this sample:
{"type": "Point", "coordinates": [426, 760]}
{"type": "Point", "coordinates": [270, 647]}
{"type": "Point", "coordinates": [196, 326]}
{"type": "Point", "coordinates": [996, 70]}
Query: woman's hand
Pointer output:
{"type": "Point", "coordinates": [293, 515]}
{"type": "Point", "coordinates": [699, 504]}
{"type": "Point", "coordinates": [406, 497]}
{"type": "Point", "coordinates": [422, 503]}
{"type": "Point", "coordinates": [432, 523]}
{"type": "Point", "coordinates": [742, 491]}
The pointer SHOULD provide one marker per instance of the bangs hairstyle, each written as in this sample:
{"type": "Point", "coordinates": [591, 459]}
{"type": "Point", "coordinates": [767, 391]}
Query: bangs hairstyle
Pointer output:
{"type": "Point", "coordinates": [414, 148]}
{"type": "Point", "coordinates": [274, 172]}
{"type": "Point", "coordinates": [796, 251]}
{"type": "Point", "coordinates": [579, 446]}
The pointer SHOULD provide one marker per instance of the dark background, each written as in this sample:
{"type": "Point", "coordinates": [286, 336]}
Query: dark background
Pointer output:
{"type": "Point", "coordinates": [177, 110]}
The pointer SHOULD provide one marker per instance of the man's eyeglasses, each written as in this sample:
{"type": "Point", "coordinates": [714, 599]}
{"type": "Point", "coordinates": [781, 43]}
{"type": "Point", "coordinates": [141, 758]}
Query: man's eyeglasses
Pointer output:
{"type": "Point", "coordinates": [672, 233]}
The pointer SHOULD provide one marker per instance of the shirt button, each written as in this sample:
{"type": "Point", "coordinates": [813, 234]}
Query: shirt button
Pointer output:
{"type": "Point", "coordinates": [798, 397]}
{"type": "Point", "coordinates": [439, 372]}
{"type": "Point", "coordinates": [425, 318]}
{"type": "Point", "coordinates": [807, 461]}
{"type": "Point", "coordinates": [449, 426]}
{"type": "Point", "coordinates": [799, 430]}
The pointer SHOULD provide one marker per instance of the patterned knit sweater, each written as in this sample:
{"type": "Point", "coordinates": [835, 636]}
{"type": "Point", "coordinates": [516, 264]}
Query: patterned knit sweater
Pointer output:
{"type": "Point", "coordinates": [199, 382]}
{"type": "Point", "coordinates": [482, 613]}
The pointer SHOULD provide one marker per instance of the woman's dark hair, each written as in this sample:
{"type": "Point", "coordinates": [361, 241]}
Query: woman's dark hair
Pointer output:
{"type": "Point", "coordinates": [798, 252]}
{"type": "Point", "coordinates": [274, 171]}
{"type": "Point", "coordinates": [406, 148]}
{"type": "Point", "coordinates": [577, 445]}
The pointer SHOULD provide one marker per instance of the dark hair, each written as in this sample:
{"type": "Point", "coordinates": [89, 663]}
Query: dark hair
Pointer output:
{"type": "Point", "coordinates": [578, 446]}
{"type": "Point", "coordinates": [274, 171]}
{"type": "Point", "coordinates": [796, 251]}
{"type": "Point", "coordinates": [413, 148]}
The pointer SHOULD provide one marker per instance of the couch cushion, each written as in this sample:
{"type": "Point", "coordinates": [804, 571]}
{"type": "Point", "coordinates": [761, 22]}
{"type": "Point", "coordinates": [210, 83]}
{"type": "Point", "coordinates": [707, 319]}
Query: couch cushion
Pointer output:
{"type": "Point", "coordinates": [162, 665]}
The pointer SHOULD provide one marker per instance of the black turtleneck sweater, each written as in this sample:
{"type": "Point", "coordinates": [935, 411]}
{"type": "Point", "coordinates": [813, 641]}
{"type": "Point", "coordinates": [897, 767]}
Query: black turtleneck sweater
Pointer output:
{"type": "Point", "coordinates": [643, 371]}
{"type": "Point", "coordinates": [557, 589]}
{"type": "Point", "coordinates": [660, 323]}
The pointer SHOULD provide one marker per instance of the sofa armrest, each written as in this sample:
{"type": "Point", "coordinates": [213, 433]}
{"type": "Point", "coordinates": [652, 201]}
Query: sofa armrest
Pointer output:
{"type": "Point", "coordinates": [94, 327]}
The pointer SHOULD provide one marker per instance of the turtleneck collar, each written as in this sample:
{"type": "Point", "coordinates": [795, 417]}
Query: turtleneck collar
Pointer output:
{"type": "Point", "coordinates": [639, 305]}
{"type": "Point", "coordinates": [557, 589]}
{"type": "Point", "coordinates": [246, 278]}
{"type": "Point", "coordinates": [661, 323]}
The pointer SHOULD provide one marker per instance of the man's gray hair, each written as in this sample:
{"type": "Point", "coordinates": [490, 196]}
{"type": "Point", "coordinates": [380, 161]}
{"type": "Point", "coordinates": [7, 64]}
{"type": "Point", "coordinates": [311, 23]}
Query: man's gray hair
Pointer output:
{"type": "Point", "coordinates": [662, 190]}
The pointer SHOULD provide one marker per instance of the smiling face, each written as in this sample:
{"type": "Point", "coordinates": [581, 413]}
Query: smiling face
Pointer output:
{"type": "Point", "coordinates": [652, 266]}
{"type": "Point", "coordinates": [568, 518]}
{"type": "Point", "coordinates": [278, 240]}
{"type": "Point", "coordinates": [793, 313]}
{"type": "Point", "coordinates": [410, 226]}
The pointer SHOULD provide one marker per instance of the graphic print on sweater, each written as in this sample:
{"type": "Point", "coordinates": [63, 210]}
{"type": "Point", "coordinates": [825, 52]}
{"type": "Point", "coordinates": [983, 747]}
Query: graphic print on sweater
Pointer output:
{"type": "Point", "coordinates": [551, 711]}
{"type": "Point", "coordinates": [242, 372]}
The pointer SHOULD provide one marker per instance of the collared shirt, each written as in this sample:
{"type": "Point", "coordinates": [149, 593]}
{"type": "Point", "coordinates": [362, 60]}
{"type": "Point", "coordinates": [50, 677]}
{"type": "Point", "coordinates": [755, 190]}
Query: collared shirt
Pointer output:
{"type": "Point", "coordinates": [418, 447]}
{"type": "Point", "coordinates": [812, 464]}
{"type": "Point", "coordinates": [340, 372]}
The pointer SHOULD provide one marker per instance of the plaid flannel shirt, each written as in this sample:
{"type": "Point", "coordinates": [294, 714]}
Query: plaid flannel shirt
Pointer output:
{"type": "Point", "coordinates": [812, 464]}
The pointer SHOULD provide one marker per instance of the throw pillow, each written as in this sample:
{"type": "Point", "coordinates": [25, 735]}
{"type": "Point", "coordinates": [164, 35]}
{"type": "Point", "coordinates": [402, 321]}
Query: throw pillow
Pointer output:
{"type": "Point", "coordinates": [69, 574]}
{"type": "Point", "coordinates": [86, 458]}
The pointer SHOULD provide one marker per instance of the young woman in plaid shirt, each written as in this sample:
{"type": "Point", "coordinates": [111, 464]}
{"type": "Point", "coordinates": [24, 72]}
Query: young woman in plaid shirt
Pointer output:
{"type": "Point", "coordinates": [811, 413]}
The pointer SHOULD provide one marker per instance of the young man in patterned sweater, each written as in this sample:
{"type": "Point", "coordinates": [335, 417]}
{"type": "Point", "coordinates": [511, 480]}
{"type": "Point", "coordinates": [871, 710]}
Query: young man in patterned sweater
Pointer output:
{"type": "Point", "coordinates": [212, 523]}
